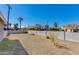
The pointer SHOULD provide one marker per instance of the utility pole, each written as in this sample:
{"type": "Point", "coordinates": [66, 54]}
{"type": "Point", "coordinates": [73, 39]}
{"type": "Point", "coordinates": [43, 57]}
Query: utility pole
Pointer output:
{"type": "Point", "coordinates": [64, 34]}
{"type": "Point", "coordinates": [9, 8]}
{"type": "Point", "coordinates": [46, 26]}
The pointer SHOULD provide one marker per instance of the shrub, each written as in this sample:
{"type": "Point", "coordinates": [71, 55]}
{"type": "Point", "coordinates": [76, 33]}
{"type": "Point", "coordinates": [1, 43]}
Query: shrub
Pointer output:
{"type": "Point", "coordinates": [25, 30]}
{"type": "Point", "coordinates": [47, 37]}
{"type": "Point", "coordinates": [55, 29]}
{"type": "Point", "coordinates": [33, 34]}
{"type": "Point", "coordinates": [53, 38]}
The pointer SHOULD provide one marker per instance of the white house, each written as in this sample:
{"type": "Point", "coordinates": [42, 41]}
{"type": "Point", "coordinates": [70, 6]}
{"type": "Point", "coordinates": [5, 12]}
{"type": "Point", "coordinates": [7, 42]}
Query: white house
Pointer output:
{"type": "Point", "coordinates": [3, 33]}
{"type": "Point", "coordinates": [71, 28]}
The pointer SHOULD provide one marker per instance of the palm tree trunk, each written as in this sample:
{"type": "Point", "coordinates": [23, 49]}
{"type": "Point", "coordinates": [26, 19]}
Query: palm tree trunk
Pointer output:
{"type": "Point", "coordinates": [20, 25]}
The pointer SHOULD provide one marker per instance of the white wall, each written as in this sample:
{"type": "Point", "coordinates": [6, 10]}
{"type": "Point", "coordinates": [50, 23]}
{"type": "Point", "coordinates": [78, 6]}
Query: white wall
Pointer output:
{"type": "Point", "coordinates": [2, 32]}
{"type": "Point", "coordinates": [70, 36]}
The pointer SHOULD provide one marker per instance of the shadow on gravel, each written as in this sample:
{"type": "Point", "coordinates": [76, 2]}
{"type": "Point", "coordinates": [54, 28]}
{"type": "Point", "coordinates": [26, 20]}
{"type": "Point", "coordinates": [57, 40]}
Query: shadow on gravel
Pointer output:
{"type": "Point", "coordinates": [62, 47]}
{"type": "Point", "coordinates": [18, 48]}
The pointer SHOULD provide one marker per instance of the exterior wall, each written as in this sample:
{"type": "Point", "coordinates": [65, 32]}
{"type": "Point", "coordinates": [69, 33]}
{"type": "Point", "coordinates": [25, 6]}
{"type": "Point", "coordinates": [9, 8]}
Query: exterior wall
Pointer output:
{"type": "Point", "coordinates": [70, 36]}
{"type": "Point", "coordinates": [68, 30]}
{"type": "Point", "coordinates": [2, 19]}
{"type": "Point", "coordinates": [2, 22]}
{"type": "Point", "coordinates": [1, 31]}
{"type": "Point", "coordinates": [72, 28]}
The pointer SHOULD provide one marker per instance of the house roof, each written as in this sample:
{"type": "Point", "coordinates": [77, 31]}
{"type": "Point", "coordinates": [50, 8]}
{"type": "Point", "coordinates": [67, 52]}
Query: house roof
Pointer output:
{"type": "Point", "coordinates": [71, 26]}
{"type": "Point", "coordinates": [2, 18]}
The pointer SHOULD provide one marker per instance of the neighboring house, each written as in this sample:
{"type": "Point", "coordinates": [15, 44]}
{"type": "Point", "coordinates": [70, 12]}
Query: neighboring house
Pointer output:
{"type": "Point", "coordinates": [45, 27]}
{"type": "Point", "coordinates": [3, 33]}
{"type": "Point", "coordinates": [71, 28]}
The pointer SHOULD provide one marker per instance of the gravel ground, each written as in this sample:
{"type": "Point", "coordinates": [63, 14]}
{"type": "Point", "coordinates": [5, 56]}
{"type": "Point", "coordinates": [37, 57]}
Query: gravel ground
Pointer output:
{"type": "Point", "coordinates": [39, 45]}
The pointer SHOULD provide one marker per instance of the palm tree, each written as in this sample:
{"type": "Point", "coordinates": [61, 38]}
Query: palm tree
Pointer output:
{"type": "Point", "coordinates": [16, 26]}
{"type": "Point", "coordinates": [20, 19]}
{"type": "Point", "coordinates": [10, 25]}
{"type": "Point", "coordinates": [55, 24]}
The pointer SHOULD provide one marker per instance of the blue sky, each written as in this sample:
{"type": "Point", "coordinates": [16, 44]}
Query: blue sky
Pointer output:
{"type": "Point", "coordinates": [33, 14]}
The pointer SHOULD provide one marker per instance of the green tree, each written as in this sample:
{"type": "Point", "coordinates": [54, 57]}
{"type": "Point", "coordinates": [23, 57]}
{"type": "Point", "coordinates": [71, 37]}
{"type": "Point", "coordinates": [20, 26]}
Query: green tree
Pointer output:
{"type": "Point", "coordinates": [55, 25]}
{"type": "Point", "coordinates": [25, 29]}
{"type": "Point", "coordinates": [37, 27]}
{"type": "Point", "coordinates": [16, 26]}
{"type": "Point", "coordinates": [20, 19]}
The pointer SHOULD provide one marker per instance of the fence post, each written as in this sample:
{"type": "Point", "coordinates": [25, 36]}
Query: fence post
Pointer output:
{"type": "Point", "coordinates": [64, 35]}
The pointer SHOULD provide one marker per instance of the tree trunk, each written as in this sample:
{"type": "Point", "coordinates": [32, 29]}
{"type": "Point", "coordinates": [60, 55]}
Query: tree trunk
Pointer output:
{"type": "Point", "coordinates": [20, 25]}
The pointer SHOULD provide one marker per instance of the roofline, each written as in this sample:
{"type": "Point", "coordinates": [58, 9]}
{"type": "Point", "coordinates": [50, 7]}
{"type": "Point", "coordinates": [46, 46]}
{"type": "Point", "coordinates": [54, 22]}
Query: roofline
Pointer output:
{"type": "Point", "coordinates": [3, 18]}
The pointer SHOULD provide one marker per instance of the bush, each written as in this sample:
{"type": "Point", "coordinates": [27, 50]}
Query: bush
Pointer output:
{"type": "Point", "coordinates": [53, 38]}
{"type": "Point", "coordinates": [25, 30]}
{"type": "Point", "coordinates": [47, 37]}
{"type": "Point", "coordinates": [55, 29]}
